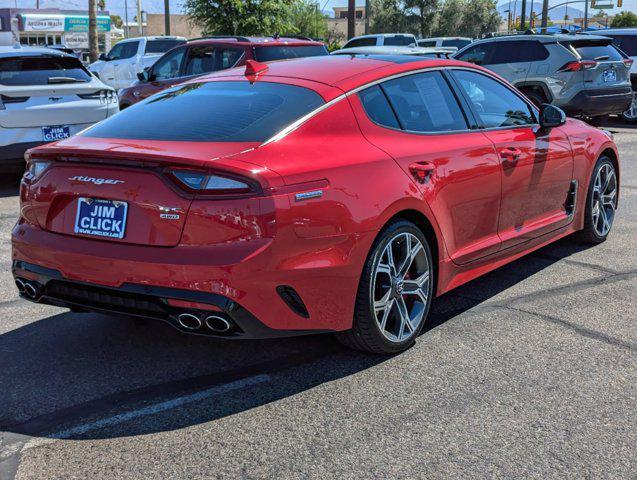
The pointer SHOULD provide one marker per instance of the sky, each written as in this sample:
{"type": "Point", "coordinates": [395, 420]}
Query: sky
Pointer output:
{"type": "Point", "coordinates": [156, 6]}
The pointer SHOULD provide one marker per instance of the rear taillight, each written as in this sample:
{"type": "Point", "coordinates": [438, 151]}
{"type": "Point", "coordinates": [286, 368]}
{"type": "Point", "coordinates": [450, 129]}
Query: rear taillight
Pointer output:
{"type": "Point", "coordinates": [105, 96]}
{"type": "Point", "coordinates": [578, 66]}
{"type": "Point", "coordinates": [35, 167]}
{"type": "Point", "coordinates": [628, 62]}
{"type": "Point", "coordinates": [213, 184]}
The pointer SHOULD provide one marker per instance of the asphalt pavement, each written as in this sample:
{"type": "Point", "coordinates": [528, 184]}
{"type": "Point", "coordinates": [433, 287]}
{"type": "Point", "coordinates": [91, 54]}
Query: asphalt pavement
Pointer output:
{"type": "Point", "coordinates": [528, 372]}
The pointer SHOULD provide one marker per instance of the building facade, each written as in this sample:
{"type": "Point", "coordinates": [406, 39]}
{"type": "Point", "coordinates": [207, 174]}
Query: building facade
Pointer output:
{"type": "Point", "coordinates": [42, 27]}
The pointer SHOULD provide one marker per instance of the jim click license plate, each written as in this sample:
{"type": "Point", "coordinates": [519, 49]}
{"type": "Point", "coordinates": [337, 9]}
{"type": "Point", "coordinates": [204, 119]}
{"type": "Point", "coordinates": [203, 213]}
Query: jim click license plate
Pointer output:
{"type": "Point", "coordinates": [610, 75]}
{"type": "Point", "coordinates": [59, 132]}
{"type": "Point", "coordinates": [101, 218]}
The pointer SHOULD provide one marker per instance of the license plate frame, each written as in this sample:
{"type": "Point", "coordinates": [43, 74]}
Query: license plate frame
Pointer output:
{"type": "Point", "coordinates": [103, 223]}
{"type": "Point", "coordinates": [54, 133]}
{"type": "Point", "coordinates": [609, 75]}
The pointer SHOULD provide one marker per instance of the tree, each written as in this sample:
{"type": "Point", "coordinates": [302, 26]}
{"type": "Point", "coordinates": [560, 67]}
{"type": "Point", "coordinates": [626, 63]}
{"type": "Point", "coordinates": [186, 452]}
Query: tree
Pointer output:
{"type": "Point", "coordinates": [92, 31]}
{"type": "Point", "coordinates": [624, 19]}
{"type": "Point", "coordinates": [306, 19]}
{"type": "Point", "coordinates": [389, 16]}
{"type": "Point", "coordinates": [240, 17]}
{"type": "Point", "coordinates": [423, 13]}
{"type": "Point", "coordinates": [479, 17]}
{"type": "Point", "coordinates": [450, 18]}
{"type": "Point", "coordinates": [117, 21]}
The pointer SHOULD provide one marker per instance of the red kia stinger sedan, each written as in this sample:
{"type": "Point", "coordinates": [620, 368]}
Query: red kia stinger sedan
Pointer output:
{"type": "Point", "coordinates": [327, 194]}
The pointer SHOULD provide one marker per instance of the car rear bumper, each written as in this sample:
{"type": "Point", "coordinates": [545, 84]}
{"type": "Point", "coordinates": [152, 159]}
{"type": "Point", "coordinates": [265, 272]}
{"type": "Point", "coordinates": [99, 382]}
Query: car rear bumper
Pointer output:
{"type": "Point", "coordinates": [263, 289]}
{"type": "Point", "coordinates": [600, 102]}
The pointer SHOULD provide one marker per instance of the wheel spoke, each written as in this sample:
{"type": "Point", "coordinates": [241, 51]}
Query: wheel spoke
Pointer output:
{"type": "Point", "coordinates": [609, 198]}
{"type": "Point", "coordinates": [386, 312]}
{"type": "Point", "coordinates": [413, 249]}
{"type": "Point", "coordinates": [405, 321]}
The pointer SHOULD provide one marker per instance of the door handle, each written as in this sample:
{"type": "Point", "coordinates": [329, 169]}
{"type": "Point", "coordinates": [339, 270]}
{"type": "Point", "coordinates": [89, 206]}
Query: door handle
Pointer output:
{"type": "Point", "coordinates": [422, 171]}
{"type": "Point", "coordinates": [510, 153]}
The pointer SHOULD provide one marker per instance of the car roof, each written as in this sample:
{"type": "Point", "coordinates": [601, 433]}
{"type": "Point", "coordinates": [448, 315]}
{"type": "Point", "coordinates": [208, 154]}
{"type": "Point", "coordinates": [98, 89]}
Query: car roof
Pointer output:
{"type": "Point", "coordinates": [22, 51]}
{"type": "Point", "coordinates": [617, 31]}
{"type": "Point", "coordinates": [376, 35]}
{"type": "Point", "coordinates": [545, 38]}
{"type": "Point", "coordinates": [340, 73]}
{"type": "Point", "coordinates": [256, 41]}
{"type": "Point", "coordinates": [445, 38]}
{"type": "Point", "coordinates": [154, 37]}
{"type": "Point", "coordinates": [393, 50]}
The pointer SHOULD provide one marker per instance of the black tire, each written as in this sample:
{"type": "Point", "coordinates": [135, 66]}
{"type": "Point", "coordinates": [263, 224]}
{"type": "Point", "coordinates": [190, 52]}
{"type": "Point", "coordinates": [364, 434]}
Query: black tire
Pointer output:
{"type": "Point", "coordinates": [590, 233]}
{"type": "Point", "coordinates": [366, 333]}
{"type": "Point", "coordinates": [597, 121]}
{"type": "Point", "coordinates": [538, 98]}
{"type": "Point", "coordinates": [630, 115]}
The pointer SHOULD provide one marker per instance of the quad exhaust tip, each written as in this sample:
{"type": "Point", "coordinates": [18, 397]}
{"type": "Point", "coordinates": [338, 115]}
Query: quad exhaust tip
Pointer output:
{"type": "Point", "coordinates": [28, 288]}
{"type": "Point", "coordinates": [20, 284]}
{"type": "Point", "coordinates": [189, 321]}
{"type": "Point", "coordinates": [217, 324]}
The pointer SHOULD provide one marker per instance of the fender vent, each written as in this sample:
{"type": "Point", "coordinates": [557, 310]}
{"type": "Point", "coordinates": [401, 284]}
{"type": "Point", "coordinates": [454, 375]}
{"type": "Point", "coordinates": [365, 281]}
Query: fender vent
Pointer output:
{"type": "Point", "coordinates": [293, 300]}
{"type": "Point", "coordinates": [571, 199]}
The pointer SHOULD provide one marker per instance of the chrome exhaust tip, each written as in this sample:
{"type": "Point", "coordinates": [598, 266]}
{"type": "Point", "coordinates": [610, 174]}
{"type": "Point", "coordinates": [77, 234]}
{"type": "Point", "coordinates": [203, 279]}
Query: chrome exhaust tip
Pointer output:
{"type": "Point", "coordinates": [189, 321]}
{"type": "Point", "coordinates": [20, 284]}
{"type": "Point", "coordinates": [32, 290]}
{"type": "Point", "coordinates": [217, 324]}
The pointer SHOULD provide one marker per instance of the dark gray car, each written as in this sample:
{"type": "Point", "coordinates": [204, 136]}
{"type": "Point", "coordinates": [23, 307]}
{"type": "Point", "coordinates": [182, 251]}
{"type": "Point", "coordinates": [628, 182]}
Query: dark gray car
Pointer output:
{"type": "Point", "coordinates": [585, 75]}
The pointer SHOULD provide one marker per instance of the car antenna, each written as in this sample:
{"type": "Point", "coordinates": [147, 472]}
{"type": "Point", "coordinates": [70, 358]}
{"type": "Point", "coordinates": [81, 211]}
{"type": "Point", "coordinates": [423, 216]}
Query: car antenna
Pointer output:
{"type": "Point", "coordinates": [253, 68]}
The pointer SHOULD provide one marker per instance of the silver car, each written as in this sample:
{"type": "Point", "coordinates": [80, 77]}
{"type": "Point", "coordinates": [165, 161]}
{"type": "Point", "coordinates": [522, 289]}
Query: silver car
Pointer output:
{"type": "Point", "coordinates": [585, 75]}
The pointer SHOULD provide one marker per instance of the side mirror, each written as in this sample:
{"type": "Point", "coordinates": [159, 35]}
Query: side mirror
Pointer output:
{"type": "Point", "coordinates": [551, 116]}
{"type": "Point", "coordinates": [103, 57]}
{"type": "Point", "coordinates": [144, 75]}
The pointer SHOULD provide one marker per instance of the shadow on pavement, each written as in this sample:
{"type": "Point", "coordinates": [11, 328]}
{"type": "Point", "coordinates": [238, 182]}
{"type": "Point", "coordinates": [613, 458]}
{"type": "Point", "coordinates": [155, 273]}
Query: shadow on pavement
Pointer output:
{"type": "Point", "coordinates": [72, 368]}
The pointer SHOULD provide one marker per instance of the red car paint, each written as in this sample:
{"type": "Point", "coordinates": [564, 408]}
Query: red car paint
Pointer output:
{"type": "Point", "coordinates": [481, 211]}
{"type": "Point", "coordinates": [246, 46]}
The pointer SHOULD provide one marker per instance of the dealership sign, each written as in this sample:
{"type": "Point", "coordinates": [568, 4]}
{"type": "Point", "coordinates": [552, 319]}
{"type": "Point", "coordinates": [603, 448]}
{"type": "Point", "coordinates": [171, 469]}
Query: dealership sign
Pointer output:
{"type": "Point", "coordinates": [35, 22]}
{"type": "Point", "coordinates": [42, 23]}
{"type": "Point", "coordinates": [79, 23]}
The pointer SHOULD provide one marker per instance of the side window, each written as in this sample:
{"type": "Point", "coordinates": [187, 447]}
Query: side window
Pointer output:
{"type": "Point", "coordinates": [518, 51]}
{"type": "Point", "coordinates": [210, 59]}
{"type": "Point", "coordinates": [116, 52]}
{"type": "Point", "coordinates": [478, 54]}
{"type": "Point", "coordinates": [398, 40]}
{"type": "Point", "coordinates": [169, 65]}
{"type": "Point", "coordinates": [361, 42]}
{"type": "Point", "coordinates": [377, 107]}
{"type": "Point", "coordinates": [129, 49]}
{"type": "Point", "coordinates": [495, 104]}
{"type": "Point", "coordinates": [424, 103]}
{"type": "Point", "coordinates": [427, 43]}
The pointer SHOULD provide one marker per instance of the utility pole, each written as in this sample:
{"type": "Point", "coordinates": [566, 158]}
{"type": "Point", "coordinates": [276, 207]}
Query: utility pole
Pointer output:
{"type": "Point", "coordinates": [523, 15]}
{"type": "Point", "coordinates": [167, 17]}
{"type": "Point", "coordinates": [126, 26]}
{"type": "Point", "coordinates": [545, 15]}
{"type": "Point", "coordinates": [351, 19]}
{"type": "Point", "coordinates": [93, 51]}
{"type": "Point", "coordinates": [140, 27]}
{"type": "Point", "coordinates": [367, 7]}
{"type": "Point", "coordinates": [585, 15]}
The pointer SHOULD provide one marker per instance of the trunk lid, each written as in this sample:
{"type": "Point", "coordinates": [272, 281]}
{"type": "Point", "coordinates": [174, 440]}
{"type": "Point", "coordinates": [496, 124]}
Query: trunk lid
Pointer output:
{"type": "Point", "coordinates": [130, 173]}
{"type": "Point", "coordinates": [610, 71]}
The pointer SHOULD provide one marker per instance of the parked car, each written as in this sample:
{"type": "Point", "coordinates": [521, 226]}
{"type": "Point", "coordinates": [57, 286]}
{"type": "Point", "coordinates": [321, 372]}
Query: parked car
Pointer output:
{"type": "Point", "coordinates": [46, 95]}
{"type": "Point", "coordinates": [439, 52]}
{"type": "Point", "coordinates": [119, 68]}
{"type": "Point", "coordinates": [324, 194]}
{"type": "Point", "coordinates": [213, 54]}
{"type": "Point", "coordinates": [626, 40]}
{"type": "Point", "coordinates": [380, 39]}
{"type": "Point", "coordinates": [583, 74]}
{"type": "Point", "coordinates": [458, 42]}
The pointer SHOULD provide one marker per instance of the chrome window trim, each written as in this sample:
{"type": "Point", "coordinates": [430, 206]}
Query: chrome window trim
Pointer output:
{"type": "Point", "coordinates": [293, 126]}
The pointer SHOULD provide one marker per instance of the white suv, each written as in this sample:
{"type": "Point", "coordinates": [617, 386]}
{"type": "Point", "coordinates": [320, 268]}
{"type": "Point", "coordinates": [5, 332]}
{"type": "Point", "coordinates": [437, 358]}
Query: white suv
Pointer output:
{"type": "Point", "coordinates": [119, 68]}
{"type": "Point", "coordinates": [46, 95]}
{"type": "Point", "coordinates": [392, 39]}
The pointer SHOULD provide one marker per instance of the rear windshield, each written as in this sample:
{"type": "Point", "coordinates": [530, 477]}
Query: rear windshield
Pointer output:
{"type": "Point", "coordinates": [281, 52]}
{"type": "Point", "coordinates": [161, 46]}
{"type": "Point", "coordinates": [212, 112]}
{"type": "Point", "coordinates": [41, 70]}
{"type": "Point", "coordinates": [597, 50]}
{"type": "Point", "coordinates": [457, 42]}
{"type": "Point", "coordinates": [626, 43]}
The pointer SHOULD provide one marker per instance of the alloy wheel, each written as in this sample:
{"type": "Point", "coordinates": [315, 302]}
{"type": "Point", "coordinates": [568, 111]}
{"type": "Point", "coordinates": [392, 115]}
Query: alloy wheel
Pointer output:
{"type": "Point", "coordinates": [400, 287]}
{"type": "Point", "coordinates": [604, 199]}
